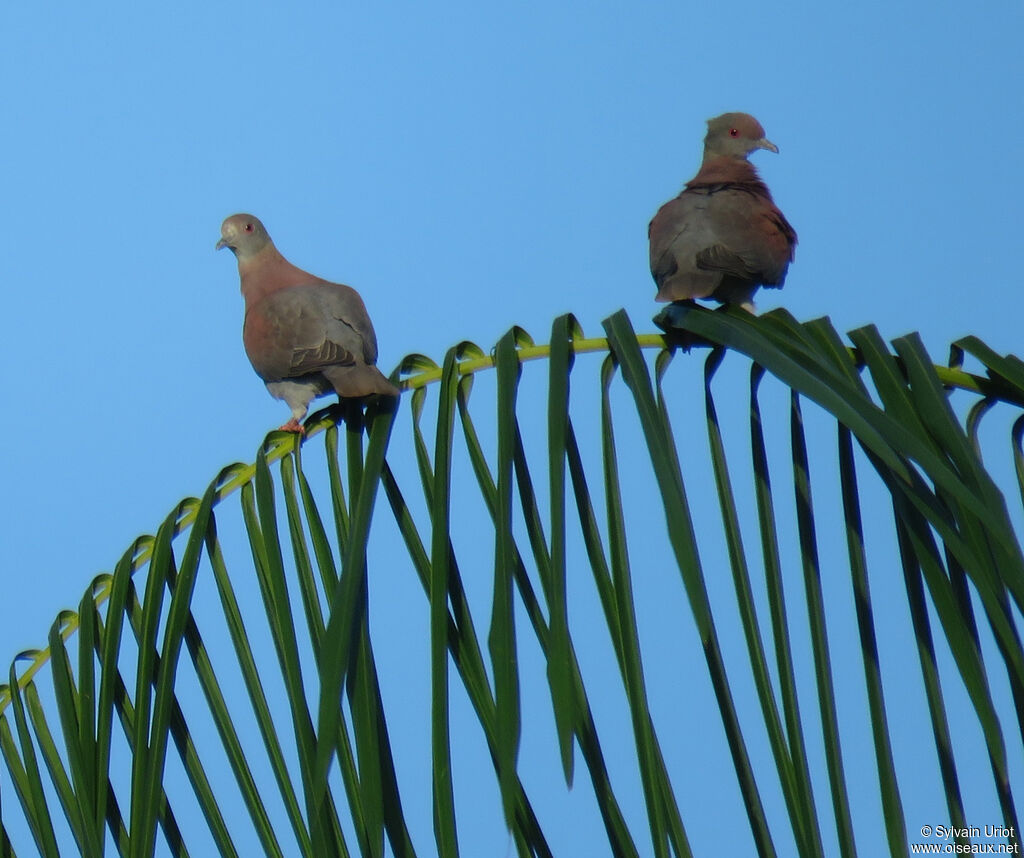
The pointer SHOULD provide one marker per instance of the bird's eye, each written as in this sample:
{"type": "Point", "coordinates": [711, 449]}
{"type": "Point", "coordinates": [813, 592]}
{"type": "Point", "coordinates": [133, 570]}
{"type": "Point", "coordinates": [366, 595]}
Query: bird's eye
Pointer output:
{"type": "Point", "coordinates": [733, 132]}
{"type": "Point", "coordinates": [248, 227]}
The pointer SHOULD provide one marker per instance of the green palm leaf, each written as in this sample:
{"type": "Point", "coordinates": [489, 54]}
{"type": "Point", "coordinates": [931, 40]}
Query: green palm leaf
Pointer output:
{"type": "Point", "coordinates": [283, 732]}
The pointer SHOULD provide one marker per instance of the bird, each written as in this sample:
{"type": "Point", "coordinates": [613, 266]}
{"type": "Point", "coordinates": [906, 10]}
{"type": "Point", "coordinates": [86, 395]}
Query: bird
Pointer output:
{"type": "Point", "coordinates": [723, 236]}
{"type": "Point", "coordinates": [305, 336]}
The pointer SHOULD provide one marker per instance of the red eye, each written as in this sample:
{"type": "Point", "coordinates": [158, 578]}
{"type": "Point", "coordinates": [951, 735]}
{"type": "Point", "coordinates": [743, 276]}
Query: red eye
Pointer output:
{"type": "Point", "coordinates": [734, 132]}
{"type": "Point", "coordinates": [248, 227]}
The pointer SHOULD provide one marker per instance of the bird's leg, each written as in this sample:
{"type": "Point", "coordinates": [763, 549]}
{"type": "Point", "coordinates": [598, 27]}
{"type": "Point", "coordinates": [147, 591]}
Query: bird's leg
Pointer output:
{"type": "Point", "coordinates": [293, 425]}
{"type": "Point", "coordinates": [298, 400]}
{"type": "Point", "coordinates": [669, 320]}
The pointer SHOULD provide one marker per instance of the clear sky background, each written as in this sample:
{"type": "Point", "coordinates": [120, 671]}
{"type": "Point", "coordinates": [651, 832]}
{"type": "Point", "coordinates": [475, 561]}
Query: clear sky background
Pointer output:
{"type": "Point", "coordinates": [467, 167]}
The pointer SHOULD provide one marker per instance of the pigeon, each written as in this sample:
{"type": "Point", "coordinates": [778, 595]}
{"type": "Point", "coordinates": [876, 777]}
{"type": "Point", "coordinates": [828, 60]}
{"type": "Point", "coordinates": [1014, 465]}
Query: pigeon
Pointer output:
{"type": "Point", "coordinates": [305, 336]}
{"type": "Point", "coordinates": [723, 236]}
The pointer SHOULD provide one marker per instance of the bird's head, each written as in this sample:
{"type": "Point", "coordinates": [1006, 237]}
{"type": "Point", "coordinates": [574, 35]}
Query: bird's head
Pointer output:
{"type": "Point", "coordinates": [735, 135]}
{"type": "Point", "coordinates": [244, 234]}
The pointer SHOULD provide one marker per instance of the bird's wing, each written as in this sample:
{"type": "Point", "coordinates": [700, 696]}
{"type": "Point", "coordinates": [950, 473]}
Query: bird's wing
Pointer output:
{"type": "Point", "coordinates": [303, 329]}
{"type": "Point", "coordinates": [348, 313]}
{"type": "Point", "coordinates": [676, 233]}
{"type": "Point", "coordinates": [752, 238]}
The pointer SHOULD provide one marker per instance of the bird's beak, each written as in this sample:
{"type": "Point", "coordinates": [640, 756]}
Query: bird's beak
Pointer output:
{"type": "Point", "coordinates": [222, 243]}
{"type": "Point", "coordinates": [767, 144]}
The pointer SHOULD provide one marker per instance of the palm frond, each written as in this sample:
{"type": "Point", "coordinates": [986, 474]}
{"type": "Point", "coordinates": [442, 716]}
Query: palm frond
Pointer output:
{"type": "Point", "coordinates": [858, 473]}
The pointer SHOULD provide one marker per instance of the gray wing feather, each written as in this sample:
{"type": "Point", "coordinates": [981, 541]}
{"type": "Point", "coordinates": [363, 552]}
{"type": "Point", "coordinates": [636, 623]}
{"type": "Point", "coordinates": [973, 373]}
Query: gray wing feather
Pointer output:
{"type": "Point", "coordinates": [678, 232]}
{"type": "Point", "coordinates": [700, 237]}
{"type": "Point", "coordinates": [304, 329]}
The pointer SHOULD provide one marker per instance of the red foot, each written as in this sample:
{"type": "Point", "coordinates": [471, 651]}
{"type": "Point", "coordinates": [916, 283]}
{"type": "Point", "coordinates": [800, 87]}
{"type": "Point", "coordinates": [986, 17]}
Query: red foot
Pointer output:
{"type": "Point", "coordinates": [293, 425]}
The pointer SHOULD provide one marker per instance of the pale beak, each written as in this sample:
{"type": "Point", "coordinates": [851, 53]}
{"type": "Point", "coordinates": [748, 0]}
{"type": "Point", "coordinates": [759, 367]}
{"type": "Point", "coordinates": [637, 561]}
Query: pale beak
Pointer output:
{"type": "Point", "coordinates": [767, 144]}
{"type": "Point", "coordinates": [222, 243]}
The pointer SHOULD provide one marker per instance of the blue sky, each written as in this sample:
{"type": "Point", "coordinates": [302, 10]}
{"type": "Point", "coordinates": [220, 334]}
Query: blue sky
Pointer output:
{"type": "Point", "coordinates": [467, 167]}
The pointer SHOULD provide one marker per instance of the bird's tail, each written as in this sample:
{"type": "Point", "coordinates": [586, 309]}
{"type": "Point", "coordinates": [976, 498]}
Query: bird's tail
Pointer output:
{"type": "Point", "coordinates": [358, 380]}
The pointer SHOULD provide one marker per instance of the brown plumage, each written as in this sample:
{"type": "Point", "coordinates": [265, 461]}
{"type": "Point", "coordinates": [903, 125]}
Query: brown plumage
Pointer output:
{"type": "Point", "coordinates": [723, 236]}
{"type": "Point", "coordinates": [305, 336]}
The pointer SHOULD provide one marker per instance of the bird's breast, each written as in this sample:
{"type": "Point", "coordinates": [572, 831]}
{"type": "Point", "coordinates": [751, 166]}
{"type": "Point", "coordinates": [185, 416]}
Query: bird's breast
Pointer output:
{"type": "Point", "coordinates": [262, 346]}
